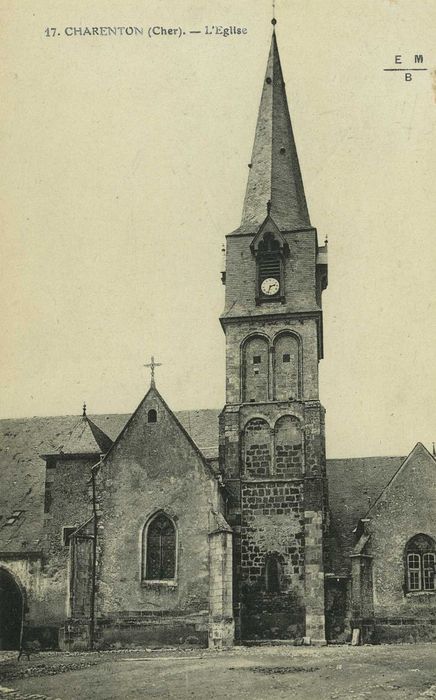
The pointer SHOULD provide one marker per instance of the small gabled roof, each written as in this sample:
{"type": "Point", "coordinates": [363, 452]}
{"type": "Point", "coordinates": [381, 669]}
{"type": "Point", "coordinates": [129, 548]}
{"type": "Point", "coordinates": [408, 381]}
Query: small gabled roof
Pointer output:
{"type": "Point", "coordinates": [85, 437]}
{"type": "Point", "coordinates": [269, 225]}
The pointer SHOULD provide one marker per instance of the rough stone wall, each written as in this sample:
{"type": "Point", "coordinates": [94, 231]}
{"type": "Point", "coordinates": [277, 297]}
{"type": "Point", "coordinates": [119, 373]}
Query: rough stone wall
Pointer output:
{"type": "Point", "coordinates": [153, 467]}
{"type": "Point", "coordinates": [257, 448]}
{"type": "Point", "coordinates": [272, 522]}
{"type": "Point", "coordinates": [288, 448]}
{"type": "Point", "coordinates": [27, 571]}
{"type": "Point", "coordinates": [70, 506]}
{"type": "Point", "coordinates": [45, 578]}
{"type": "Point", "coordinates": [236, 335]}
{"type": "Point", "coordinates": [407, 507]}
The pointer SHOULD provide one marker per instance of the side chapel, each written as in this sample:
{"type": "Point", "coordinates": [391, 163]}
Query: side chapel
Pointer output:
{"type": "Point", "coordinates": [212, 527]}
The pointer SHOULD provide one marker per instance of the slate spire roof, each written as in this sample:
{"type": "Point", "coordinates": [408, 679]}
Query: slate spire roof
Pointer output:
{"type": "Point", "coordinates": [274, 181]}
{"type": "Point", "coordinates": [85, 437]}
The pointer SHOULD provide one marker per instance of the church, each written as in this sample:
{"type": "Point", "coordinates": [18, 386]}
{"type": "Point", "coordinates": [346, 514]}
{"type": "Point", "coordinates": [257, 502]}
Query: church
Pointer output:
{"type": "Point", "coordinates": [219, 527]}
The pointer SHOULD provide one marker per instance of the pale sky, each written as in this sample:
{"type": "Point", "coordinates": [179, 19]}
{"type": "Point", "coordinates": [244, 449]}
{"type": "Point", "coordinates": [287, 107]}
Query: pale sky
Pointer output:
{"type": "Point", "coordinates": [124, 164]}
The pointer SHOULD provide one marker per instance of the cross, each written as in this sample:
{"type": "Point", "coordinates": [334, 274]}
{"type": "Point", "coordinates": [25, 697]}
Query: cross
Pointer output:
{"type": "Point", "coordinates": [152, 365]}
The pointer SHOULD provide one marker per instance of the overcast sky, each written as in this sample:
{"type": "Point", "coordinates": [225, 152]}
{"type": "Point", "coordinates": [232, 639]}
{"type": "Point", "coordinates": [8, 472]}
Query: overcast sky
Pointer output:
{"type": "Point", "coordinates": [124, 165]}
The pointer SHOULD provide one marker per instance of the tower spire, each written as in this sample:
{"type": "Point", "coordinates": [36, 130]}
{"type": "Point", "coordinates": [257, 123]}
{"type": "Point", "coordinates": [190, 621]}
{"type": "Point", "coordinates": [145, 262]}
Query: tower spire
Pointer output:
{"type": "Point", "coordinates": [274, 173]}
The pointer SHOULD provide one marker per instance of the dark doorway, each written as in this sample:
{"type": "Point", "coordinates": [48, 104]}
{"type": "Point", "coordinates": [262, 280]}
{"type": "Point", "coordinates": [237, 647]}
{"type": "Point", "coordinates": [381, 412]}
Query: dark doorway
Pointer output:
{"type": "Point", "coordinates": [336, 595]}
{"type": "Point", "coordinates": [11, 611]}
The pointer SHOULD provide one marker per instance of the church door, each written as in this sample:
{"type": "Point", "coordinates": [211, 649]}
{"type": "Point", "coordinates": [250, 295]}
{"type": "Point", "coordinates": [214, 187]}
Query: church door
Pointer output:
{"type": "Point", "coordinates": [11, 611]}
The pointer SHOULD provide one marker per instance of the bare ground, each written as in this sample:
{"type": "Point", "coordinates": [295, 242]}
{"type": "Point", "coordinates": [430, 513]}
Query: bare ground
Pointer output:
{"type": "Point", "coordinates": [405, 672]}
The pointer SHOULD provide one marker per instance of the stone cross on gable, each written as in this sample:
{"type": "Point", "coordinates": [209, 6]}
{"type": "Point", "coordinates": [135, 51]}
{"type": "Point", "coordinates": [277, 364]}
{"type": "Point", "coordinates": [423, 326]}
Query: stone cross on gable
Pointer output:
{"type": "Point", "coordinates": [152, 365]}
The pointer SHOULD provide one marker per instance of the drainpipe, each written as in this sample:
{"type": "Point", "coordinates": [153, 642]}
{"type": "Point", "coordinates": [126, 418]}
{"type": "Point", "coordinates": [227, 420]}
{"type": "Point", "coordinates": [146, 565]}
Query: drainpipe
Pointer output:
{"type": "Point", "coordinates": [94, 470]}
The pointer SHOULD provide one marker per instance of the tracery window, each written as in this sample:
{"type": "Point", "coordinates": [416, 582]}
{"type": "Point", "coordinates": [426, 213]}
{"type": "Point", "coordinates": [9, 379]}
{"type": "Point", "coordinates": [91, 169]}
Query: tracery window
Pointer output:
{"type": "Point", "coordinates": [159, 541]}
{"type": "Point", "coordinates": [420, 564]}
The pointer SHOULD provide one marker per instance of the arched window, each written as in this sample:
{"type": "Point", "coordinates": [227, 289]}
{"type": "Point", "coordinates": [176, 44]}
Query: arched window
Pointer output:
{"type": "Point", "coordinates": [286, 367]}
{"type": "Point", "coordinates": [420, 564]}
{"type": "Point", "coordinates": [159, 542]}
{"type": "Point", "coordinates": [152, 416]}
{"type": "Point", "coordinates": [273, 574]}
{"type": "Point", "coordinates": [255, 369]}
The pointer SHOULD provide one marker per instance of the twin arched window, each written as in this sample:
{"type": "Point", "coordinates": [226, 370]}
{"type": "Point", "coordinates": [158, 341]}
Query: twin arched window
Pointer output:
{"type": "Point", "coordinates": [420, 564]}
{"type": "Point", "coordinates": [279, 452]}
{"type": "Point", "coordinates": [159, 544]}
{"type": "Point", "coordinates": [285, 367]}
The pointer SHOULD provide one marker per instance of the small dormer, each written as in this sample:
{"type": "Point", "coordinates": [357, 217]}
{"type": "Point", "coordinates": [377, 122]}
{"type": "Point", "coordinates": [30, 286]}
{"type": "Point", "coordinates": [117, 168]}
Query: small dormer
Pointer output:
{"type": "Point", "coordinates": [269, 249]}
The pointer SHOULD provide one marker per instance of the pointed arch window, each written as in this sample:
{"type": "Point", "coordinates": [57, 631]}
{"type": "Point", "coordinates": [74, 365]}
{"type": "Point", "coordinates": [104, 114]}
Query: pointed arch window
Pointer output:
{"type": "Point", "coordinates": [159, 543]}
{"type": "Point", "coordinates": [420, 564]}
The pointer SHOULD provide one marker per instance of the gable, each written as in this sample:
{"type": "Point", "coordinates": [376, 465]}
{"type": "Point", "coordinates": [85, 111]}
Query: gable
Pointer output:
{"type": "Point", "coordinates": [410, 494]}
{"type": "Point", "coordinates": [22, 470]}
{"type": "Point", "coordinates": [154, 439]}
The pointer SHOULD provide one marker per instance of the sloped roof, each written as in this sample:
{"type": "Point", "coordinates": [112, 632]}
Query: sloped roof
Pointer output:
{"type": "Point", "coordinates": [274, 174]}
{"type": "Point", "coordinates": [85, 437]}
{"type": "Point", "coordinates": [22, 470]}
{"type": "Point", "coordinates": [354, 484]}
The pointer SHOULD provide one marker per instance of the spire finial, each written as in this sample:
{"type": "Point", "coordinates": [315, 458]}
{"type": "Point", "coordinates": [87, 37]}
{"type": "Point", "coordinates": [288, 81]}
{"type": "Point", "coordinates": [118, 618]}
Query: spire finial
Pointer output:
{"type": "Point", "coordinates": [274, 21]}
{"type": "Point", "coordinates": [268, 206]}
{"type": "Point", "coordinates": [84, 409]}
{"type": "Point", "coordinates": [152, 365]}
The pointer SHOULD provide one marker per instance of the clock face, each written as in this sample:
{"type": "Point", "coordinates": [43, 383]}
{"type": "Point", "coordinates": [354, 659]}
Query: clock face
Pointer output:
{"type": "Point", "coordinates": [270, 286]}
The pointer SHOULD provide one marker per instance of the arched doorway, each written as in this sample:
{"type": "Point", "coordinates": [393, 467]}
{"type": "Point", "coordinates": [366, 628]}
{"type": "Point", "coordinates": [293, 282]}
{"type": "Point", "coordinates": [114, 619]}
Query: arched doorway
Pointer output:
{"type": "Point", "coordinates": [11, 611]}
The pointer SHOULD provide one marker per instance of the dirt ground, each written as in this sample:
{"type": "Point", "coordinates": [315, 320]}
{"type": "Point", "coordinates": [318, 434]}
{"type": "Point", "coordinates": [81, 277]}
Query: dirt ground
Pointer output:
{"type": "Point", "coordinates": [259, 673]}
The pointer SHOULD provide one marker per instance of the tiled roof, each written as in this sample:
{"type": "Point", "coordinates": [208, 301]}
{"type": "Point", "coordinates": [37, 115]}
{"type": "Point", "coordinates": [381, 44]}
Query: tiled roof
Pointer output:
{"type": "Point", "coordinates": [85, 437]}
{"type": "Point", "coordinates": [22, 470]}
{"type": "Point", "coordinates": [352, 482]}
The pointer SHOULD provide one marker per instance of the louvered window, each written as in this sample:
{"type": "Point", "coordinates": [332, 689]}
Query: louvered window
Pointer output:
{"type": "Point", "coordinates": [269, 266]}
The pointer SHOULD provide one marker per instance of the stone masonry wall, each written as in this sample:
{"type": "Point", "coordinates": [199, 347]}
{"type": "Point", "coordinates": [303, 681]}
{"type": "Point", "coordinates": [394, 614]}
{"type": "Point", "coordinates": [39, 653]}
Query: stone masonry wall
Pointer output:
{"type": "Point", "coordinates": [154, 467]}
{"type": "Point", "coordinates": [272, 522]}
{"type": "Point", "coordinates": [70, 506]}
{"type": "Point", "coordinates": [406, 508]}
{"type": "Point", "coordinates": [299, 275]}
{"type": "Point", "coordinates": [221, 623]}
{"type": "Point", "coordinates": [257, 448]}
{"type": "Point", "coordinates": [288, 448]}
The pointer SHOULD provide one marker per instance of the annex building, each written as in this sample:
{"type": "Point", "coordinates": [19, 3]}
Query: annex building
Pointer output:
{"type": "Point", "coordinates": [220, 526]}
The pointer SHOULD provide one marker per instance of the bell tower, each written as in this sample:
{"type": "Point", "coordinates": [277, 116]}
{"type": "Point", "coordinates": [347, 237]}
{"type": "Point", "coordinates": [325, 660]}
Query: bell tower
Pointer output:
{"type": "Point", "coordinates": [272, 444]}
